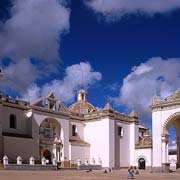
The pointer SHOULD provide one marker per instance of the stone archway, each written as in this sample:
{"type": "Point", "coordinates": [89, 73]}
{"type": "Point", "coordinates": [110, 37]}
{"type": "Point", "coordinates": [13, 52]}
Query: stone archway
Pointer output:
{"type": "Point", "coordinates": [50, 139]}
{"type": "Point", "coordinates": [173, 120]}
{"type": "Point", "coordinates": [165, 113]}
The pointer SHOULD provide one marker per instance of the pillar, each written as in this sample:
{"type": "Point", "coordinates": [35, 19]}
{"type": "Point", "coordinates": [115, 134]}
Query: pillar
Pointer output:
{"type": "Point", "coordinates": [54, 151]}
{"type": "Point", "coordinates": [178, 152]}
{"type": "Point", "coordinates": [164, 145]}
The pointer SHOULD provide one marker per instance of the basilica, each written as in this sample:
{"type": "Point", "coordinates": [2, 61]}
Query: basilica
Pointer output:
{"type": "Point", "coordinates": [49, 129]}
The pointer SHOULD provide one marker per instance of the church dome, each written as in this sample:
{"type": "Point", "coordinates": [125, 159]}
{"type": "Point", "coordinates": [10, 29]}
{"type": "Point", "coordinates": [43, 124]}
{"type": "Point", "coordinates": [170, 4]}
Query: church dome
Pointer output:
{"type": "Point", "coordinates": [82, 106]}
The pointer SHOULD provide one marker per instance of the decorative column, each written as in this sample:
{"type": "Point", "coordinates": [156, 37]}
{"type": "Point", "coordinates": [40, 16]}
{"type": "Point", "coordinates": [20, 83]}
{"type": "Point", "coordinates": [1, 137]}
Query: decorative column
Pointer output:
{"type": "Point", "coordinates": [164, 148]}
{"type": "Point", "coordinates": [54, 151]}
{"type": "Point", "coordinates": [164, 142]}
{"type": "Point", "coordinates": [178, 151]}
{"type": "Point", "coordinates": [58, 154]}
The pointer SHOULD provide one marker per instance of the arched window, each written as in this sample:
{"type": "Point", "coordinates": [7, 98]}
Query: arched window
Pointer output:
{"type": "Point", "coordinates": [12, 121]}
{"type": "Point", "coordinates": [74, 130]}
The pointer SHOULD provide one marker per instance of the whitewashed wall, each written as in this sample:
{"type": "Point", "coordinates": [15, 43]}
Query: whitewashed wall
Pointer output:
{"type": "Point", "coordinates": [124, 143]}
{"type": "Point", "coordinates": [132, 137]}
{"type": "Point", "coordinates": [145, 153]}
{"type": "Point", "coordinates": [80, 129]}
{"type": "Point", "coordinates": [97, 134]}
{"type": "Point", "coordinates": [79, 152]}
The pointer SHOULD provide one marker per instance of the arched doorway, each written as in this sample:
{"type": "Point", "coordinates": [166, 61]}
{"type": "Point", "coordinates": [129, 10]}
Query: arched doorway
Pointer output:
{"type": "Point", "coordinates": [172, 131]}
{"type": "Point", "coordinates": [141, 163]}
{"type": "Point", "coordinates": [47, 155]}
{"type": "Point", "coordinates": [50, 140]}
{"type": "Point", "coordinates": [165, 113]}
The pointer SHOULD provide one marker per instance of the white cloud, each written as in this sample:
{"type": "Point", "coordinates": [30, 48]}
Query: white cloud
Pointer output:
{"type": "Point", "coordinates": [156, 76]}
{"type": "Point", "coordinates": [33, 93]}
{"type": "Point", "coordinates": [113, 9]}
{"type": "Point", "coordinates": [33, 31]}
{"type": "Point", "coordinates": [19, 75]}
{"type": "Point", "coordinates": [66, 88]}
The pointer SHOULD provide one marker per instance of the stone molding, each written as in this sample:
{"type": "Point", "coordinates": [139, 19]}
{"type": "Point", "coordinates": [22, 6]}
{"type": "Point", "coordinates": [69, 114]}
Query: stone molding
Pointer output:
{"type": "Point", "coordinates": [173, 116]}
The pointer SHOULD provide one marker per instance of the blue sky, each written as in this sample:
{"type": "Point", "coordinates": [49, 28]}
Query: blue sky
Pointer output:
{"type": "Point", "coordinates": [126, 52]}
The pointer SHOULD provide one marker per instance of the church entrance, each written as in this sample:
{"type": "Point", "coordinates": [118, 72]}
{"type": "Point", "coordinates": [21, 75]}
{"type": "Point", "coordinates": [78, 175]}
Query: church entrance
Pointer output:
{"type": "Point", "coordinates": [166, 131]}
{"type": "Point", "coordinates": [47, 155]}
{"type": "Point", "coordinates": [172, 131]}
{"type": "Point", "coordinates": [141, 163]}
{"type": "Point", "coordinates": [50, 141]}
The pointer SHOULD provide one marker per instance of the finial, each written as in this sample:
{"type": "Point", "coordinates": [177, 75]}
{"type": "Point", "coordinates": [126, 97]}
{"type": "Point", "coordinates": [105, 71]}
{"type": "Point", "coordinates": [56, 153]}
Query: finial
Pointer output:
{"type": "Point", "coordinates": [107, 107]}
{"type": "Point", "coordinates": [155, 99]}
{"type": "Point", "coordinates": [134, 114]}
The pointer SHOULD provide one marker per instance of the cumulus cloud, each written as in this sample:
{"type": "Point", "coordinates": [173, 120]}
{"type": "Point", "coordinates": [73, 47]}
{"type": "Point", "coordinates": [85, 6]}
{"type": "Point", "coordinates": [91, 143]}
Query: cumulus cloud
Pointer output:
{"type": "Point", "coordinates": [156, 76]}
{"type": "Point", "coordinates": [33, 93]}
{"type": "Point", "coordinates": [66, 88]}
{"type": "Point", "coordinates": [33, 30]}
{"type": "Point", "coordinates": [31, 38]}
{"type": "Point", "coordinates": [117, 8]}
{"type": "Point", "coordinates": [18, 75]}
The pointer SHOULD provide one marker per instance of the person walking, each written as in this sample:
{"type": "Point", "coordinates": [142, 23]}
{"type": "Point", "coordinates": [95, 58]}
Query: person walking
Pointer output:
{"type": "Point", "coordinates": [131, 172]}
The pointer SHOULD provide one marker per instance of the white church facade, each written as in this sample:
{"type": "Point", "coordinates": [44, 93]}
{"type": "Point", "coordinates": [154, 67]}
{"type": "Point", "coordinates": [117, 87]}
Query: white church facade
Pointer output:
{"type": "Point", "coordinates": [49, 129]}
{"type": "Point", "coordinates": [84, 133]}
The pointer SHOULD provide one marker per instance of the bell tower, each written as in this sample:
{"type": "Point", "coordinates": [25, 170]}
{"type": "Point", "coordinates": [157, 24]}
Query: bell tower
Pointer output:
{"type": "Point", "coordinates": [82, 95]}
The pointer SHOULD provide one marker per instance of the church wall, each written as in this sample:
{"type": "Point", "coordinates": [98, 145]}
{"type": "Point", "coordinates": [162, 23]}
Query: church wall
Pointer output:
{"type": "Point", "coordinates": [97, 134]}
{"type": "Point", "coordinates": [136, 133]}
{"type": "Point", "coordinates": [132, 139]}
{"type": "Point", "coordinates": [80, 129]}
{"type": "Point", "coordinates": [79, 152]}
{"type": "Point", "coordinates": [112, 143]}
{"type": "Point", "coordinates": [145, 153]}
{"type": "Point", "coordinates": [24, 147]}
{"type": "Point", "coordinates": [156, 135]}
{"type": "Point", "coordinates": [1, 143]}
{"type": "Point", "coordinates": [23, 127]}
{"type": "Point", "coordinates": [123, 144]}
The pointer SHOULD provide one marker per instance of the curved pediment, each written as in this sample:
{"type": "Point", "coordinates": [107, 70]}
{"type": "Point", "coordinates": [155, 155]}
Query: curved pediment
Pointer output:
{"type": "Point", "coordinates": [173, 97]}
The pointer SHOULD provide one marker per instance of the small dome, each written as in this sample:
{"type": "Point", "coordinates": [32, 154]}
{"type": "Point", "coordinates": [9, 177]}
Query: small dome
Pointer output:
{"type": "Point", "coordinates": [82, 106]}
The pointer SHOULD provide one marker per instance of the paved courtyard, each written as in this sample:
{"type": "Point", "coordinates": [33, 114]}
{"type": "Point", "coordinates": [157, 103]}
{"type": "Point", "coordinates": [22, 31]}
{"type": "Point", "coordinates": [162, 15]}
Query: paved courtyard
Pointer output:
{"type": "Point", "coordinates": [83, 175]}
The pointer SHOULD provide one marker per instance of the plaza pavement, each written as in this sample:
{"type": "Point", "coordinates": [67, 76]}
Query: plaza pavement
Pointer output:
{"type": "Point", "coordinates": [83, 175]}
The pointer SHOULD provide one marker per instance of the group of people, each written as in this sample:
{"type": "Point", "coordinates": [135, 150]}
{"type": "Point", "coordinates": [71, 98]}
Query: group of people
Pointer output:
{"type": "Point", "coordinates": [132, 171]}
